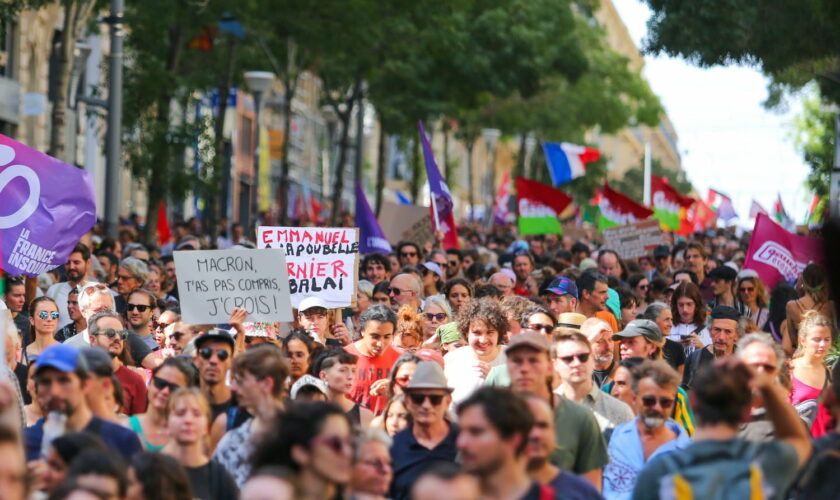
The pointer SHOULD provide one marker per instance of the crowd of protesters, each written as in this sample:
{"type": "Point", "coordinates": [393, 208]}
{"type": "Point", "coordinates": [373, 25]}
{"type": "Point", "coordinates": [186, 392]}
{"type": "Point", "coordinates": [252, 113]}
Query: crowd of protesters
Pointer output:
{"type": "Point", "coordinates": [536, 368]}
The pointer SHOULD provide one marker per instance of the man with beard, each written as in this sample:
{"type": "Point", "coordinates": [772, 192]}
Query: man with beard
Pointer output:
{"type": "Point", "coordinates": [61, 380]}
{"type": "Point", "coordinates": [651, 433]}
{"type": "Point", "coordinates": [76, 268]}
{"type": "Point", "coordinates": [213, 358]}
{"type": "Point", "coordinates": [495, 425]}
{"type": "Point", "coordinates": [106, 331]}
{"type": "Point", "coordinates": [523, 266]}
{"type": "Point", "coordinates": [725, 330]}
{"type": "Point", "coordinates": [593, 292]}
{"type": "Point", "coordinates": [599, 333]}
{"type": "Point", "coordinates": [138, 311]}
{"type": "Point", "coordinates": [541, 442]}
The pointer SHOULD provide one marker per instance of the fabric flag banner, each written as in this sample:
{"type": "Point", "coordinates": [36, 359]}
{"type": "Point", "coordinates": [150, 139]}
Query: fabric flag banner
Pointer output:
{"type": "Point", "coordinates": [697, 218]}
{"type": "Point", "coordinates": [443, 215]}
{"type": "Point", "coordinates": [668, 204]}
{"type": "Point", "coordinates": [164, 232]}
{"type": "Point", "coordinates": [618, 209]}
{"type": "Point", "coordinates": [721, 205]}
{"type": "Point", "coordinates": [755, 209]}
{"type": "Point", "coordinates": [781, 216]}
{"type": "Point", "coordinates": [778, 255]}
{"type": "Point", "coordinates": [539, 207]}
{"type": "Point", "coordinates": [501, 212]}
{"type": "Point", "coordinates": [816, 212]}
{"type": "Point", "coordinates": [371, 237]}
{"type": "Point", "coordinates": [46, 205]}
{"type": "Point", "coordinates": [567, 161]}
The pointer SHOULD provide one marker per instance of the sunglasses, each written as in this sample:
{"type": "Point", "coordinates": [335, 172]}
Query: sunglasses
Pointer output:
{"type": "Point", "coordinates": [537, 327]}
{"type": "Point", "coordinates": [336, 444]}
{"type": "Point", "coordinates": [747, 289]}
{"type": "Point", "coordinates": [111, 333]}
{"type": "Point", "coordinates": [664, 403]}
{"type": "Point", "coordinates": [582, 358]}
{"type": "Point", "coordinates": [161, 326]}
{"type": "Point", "coordinates": [408, 254]}
{"type": "Point", "coordinates": [397, 291]}
{"type": "Point", "coordinates": [207, 353]}
{"type": "Point", "coordinates": [140, 307]}
{"type": "Point", "coordinates": [644, 287]}
{"type": "Point", "coordinates": [46, 315]}
{"type": "Point", "coordinates": [438, 316]}
{"type": "Point", "coordinates": [163, 384]}
{"type": "Point", "coordinates": [419, 398]}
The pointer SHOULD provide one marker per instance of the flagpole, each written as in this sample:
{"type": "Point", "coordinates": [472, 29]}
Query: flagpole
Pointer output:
{"type": "Point", "coordinates": [434, 210]}
{"type": "Point", "coordinates": [646, 199]}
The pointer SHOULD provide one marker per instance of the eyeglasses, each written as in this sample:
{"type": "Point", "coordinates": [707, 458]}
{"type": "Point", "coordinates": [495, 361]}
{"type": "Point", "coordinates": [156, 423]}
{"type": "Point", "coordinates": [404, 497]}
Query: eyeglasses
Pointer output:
{"type": "Point", "coordinates": [397, 291]}
{"type": "Point", "coordinates": [44, 315]}
{"type": "Point", "coordinates": [111, 333]}
{"type": "Point", "coordinates": [408, 254]}
{"type": "Point", "coordinates": [378, 464]}
{"type": "Point", "coordinates": [438, 316]}
{"type": "Point", "coordinates": [161, 326]}
{"type": "Point", "coordinates": [747, 289]}
{"type": "Point", "coordinates": [207, 353]}
{"type": "Point", "coordinates": [140, 307]}
{"type": "Point", "coordinates": [644, 287]}
{"type": "Point", "coordinates": [664, 403]}
{"type": "Point", "coordinates": [335, 443]}
{"type": "Point", "coordinates": [419, 398]}
{"type": "Point", "coordinates": [540, 327]}
{"type": "Point", "coordinates": [163, 384]}
{"type": "Point", "coordinates": [582, 358]}
{"type": "Point", "coordinates": [452, 263]}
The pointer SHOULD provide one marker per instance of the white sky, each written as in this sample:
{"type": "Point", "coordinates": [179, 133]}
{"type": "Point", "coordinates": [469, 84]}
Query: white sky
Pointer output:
{"type": "Point", "coordinates": [727, 139]}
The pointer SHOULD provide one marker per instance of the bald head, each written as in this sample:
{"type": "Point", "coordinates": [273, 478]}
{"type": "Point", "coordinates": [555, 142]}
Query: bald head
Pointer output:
{"type": "Point", "coordinates": [503, 282]}
{"type": "Point", "coordinates": [406, 289]}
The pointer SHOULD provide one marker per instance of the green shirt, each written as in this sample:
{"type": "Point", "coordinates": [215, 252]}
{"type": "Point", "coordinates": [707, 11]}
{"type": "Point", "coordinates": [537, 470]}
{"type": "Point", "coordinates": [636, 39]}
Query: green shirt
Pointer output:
{"type": "Point", "coordinates": [498, 376]}
{"type": "Point", "coordinates": [580, 445]}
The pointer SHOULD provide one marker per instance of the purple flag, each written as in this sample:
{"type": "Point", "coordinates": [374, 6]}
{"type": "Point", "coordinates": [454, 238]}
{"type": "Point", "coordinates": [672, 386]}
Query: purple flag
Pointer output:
{"type": "Point", "coordinates": [46, 205]}
{"type": "Point", "coordinates": [442, 205]}
{"type": "Point", "coordinates": [371, 237]}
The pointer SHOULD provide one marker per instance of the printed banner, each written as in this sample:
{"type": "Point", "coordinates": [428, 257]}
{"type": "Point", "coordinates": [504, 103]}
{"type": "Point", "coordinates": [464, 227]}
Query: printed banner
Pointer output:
{"type": "Point", "coordinates": [634, 240]}
{"type": "Point", "coordinates": [321, 261]}
{"type": "Point", "coordinates": [668, 204]}
{"type": "Point", "coordinates": [46, 205]}
{"type": "Point", "coordinates": [778, 255]}
{"type": "Point", "coordinates": [406, 223]}
{"type": "Point", "coordinates": [211, 283]}
{"type": "Point", "coordinates": [618, 209]}
{"type": "Point", "coordinates": [539, 207]}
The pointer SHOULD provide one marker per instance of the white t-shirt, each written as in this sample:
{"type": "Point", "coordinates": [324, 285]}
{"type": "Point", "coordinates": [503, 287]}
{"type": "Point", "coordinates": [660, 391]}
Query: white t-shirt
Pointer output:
{"type": "Point", "coordinates": [684, 329]}
{"type": "Point", "coordinates": [461, 373]}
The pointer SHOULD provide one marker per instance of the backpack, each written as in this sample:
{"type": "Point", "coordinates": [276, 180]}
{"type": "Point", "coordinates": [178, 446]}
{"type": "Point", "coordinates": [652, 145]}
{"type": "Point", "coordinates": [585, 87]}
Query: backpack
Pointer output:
{"type": "Point", "coordinates": [718, 475]}
{"type": "Point", "coordinates": [819, 479]}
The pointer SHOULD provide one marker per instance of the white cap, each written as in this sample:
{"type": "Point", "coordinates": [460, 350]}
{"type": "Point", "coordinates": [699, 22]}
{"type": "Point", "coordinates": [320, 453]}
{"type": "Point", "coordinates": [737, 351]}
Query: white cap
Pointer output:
{"type": "Point", "coordinates": [306, 380]}
{"type": "Point", "coordinates": [310, 302]}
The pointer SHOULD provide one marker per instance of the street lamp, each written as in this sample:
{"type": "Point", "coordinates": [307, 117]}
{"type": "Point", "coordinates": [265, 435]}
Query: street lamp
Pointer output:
{"type": "Point", "coordinates": [258, 83]}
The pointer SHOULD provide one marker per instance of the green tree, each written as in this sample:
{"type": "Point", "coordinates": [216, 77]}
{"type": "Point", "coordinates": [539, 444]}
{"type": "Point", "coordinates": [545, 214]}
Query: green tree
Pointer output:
{"type": "Point", "coordinates": [792, 41]}
{"type": "Point", "coordinates": [814, 134]}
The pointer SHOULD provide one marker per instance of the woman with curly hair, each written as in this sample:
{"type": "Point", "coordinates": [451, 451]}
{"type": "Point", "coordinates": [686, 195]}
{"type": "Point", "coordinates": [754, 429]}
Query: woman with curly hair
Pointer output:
{"type": "Point", "coordinates": [409, 333]}
{"type": "Point", "coordinates": [484, 325]}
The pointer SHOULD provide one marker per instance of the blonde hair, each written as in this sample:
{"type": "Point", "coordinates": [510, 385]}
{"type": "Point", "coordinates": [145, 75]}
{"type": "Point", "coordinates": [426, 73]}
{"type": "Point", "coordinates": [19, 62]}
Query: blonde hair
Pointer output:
{"type": "Point", "coordinates": [810, 320]}
{"type": "Point", "coordinates": [190, 393]}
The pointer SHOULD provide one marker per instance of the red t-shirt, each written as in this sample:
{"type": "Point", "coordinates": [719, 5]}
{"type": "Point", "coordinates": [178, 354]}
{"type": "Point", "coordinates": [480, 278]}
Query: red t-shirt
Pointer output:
{"type": "Point", "coordinates": [368, 371]}
{"type": "Point", "coordinates": [134, 391]}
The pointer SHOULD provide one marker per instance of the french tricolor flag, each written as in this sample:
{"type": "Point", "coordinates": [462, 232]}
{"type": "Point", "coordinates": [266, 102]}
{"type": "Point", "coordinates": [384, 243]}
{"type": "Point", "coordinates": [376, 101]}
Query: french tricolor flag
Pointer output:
{"type": "Point", "coordinates": [567, 161]}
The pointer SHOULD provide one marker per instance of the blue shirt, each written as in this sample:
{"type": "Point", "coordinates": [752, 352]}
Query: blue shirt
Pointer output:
{"type": "Point", "coordinates": [411, 458]}
{"type": "Point", "coordinates": [122, 441]}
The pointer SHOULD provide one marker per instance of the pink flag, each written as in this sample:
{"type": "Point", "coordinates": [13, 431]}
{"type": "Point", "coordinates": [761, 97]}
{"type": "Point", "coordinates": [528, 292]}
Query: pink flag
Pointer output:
{"type": "Point", "coordinates": [778, 255]}
{"type": "Point", "coordinates": [501, 211]}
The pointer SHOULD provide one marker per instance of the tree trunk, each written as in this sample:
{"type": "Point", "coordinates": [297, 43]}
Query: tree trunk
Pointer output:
{"type": "Point", "coordinates": [381, 162]}
{"type": "Point", "coordinates": [289, 91]}
{"type": "Point", "coordinates": [470, 179]}
{"type": "Point", "coordinates": [338, 187]}
{"type": "Point", "coordinates": [221, 176]}
{"type": "Point", "coordinates": [161, 158]}
{"type": "Point", "coordinates": [519, 170]}
{"type": "Point", "coordinates": [76, 16]}
{"type": "Point", "coordinates": [358, 164]}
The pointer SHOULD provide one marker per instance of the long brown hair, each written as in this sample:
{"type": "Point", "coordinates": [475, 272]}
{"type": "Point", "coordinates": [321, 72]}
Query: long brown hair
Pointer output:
{"type": "Point", "coordinates": [692, 291]}
{"type": "Point", "coordinates": [761, 298]}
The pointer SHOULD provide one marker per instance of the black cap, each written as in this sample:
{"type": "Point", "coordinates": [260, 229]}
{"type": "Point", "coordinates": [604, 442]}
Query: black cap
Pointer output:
{"type": "Point", "coordinates": [725, 273]}
{"type": "Point", "coordinates": [661, 251]}
{"type": "Point", "coordinates": [98, 361]}
{"type": "Point", "coordinates": [725, 312]}
{"type": "Point", "coordinates": [216, 334]}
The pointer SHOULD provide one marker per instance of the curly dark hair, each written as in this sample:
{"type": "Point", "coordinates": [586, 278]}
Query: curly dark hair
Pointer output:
{"type": "Point", "coordinates": [487, 310]}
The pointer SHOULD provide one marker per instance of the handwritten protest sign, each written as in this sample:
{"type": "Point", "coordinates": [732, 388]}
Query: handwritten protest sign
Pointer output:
{"type": "Point", "coordinates": [406, 222]}
{"type": "Point", "coordinates": [212, 282]}
{"type": "Point", "coordinates": [321, 261]}
{"type": "Point", "coordinates": [634, 240]}
{"type": "Point", "coordinates": [41, 220]}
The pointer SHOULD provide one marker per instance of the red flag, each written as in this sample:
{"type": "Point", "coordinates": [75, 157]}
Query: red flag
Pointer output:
{"type": "Point", "coordinates": [777, 255]}
{"type": "Point", "coordinates": [618, 209]}
{"type": "Point", "coordinates": [540, 207]}
{"type": "Point", "coordinates": [163, 230]}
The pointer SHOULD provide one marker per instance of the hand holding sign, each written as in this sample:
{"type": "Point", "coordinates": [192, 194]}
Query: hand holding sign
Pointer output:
{"type": "Point", "coordinates": [214, 283]}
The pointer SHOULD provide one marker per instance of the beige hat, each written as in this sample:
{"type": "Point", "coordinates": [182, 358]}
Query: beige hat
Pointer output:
{"type": "Point", "coordinates": [428, 375]}
{"type": "Point", "coordinates": [570, 320]}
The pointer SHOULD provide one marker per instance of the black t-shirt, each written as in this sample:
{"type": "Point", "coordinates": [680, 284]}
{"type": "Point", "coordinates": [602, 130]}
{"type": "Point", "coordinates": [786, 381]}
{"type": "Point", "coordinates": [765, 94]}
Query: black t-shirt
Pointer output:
{"type": "Point", "coordinates": [24, 328]}
{"type": "Point", "coordinates": [212, 482]}
{"type": "Point", "coordinates": [674, 354]}
{"type": "Point", "coordinates": [600, 376]}
{"type": "Point", "coordinates": [138, 347]}
{"type": "Point", "coordinates": [21, 371]}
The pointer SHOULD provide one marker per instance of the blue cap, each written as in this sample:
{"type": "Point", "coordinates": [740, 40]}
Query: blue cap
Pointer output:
{"type": "Point", "coordinates": [62, 357]}
{"type": "Point", "coordinates": [563, 286]}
